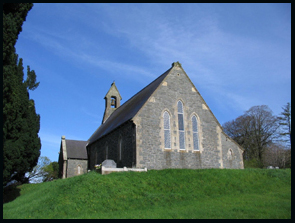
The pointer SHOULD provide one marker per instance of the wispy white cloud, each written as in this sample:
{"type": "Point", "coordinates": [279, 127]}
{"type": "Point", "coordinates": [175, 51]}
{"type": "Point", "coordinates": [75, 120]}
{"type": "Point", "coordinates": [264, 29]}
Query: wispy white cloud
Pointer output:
{"type": "Point", "coordinates": [221, 60]}
{"type": "Point", "coordinates": [94, 116]}
{"type": "Point", "coordinates": [233, 67]}
{"type": "Point", "coordinates": [217, 58]}
{"type": "Point", "coordinates": [51, 140]}
{"type": "Point", "coordinates": [67, 49]}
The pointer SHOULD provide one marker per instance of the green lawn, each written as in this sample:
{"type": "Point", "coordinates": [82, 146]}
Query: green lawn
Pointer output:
{"type": "Point", "coordinates": [170, 193]}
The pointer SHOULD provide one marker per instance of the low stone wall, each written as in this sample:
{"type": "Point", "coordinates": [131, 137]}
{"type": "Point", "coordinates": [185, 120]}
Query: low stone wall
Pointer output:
{"type": "Point", "coordinates": [107, 170]}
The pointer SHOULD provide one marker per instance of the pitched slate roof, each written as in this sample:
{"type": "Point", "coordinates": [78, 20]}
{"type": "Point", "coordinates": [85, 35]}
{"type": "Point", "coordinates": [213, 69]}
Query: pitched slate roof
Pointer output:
{"type": "Point", "coordinates": [76, 149]}
{"type": "Point", "coordinates": [128, 110]}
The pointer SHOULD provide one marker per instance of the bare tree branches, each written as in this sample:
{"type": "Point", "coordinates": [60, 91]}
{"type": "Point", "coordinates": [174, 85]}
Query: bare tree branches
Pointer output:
{"type": "Point", "coordinates": [254, 130]}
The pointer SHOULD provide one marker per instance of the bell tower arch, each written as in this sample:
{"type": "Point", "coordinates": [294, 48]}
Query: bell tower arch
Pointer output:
{"type": "Point", "coordinates": [112, 101]}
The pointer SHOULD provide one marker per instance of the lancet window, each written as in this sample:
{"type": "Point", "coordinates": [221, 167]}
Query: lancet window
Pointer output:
{"type": "Point", "coordinates": [195, 132]}
{"type": "Point", "coordinates": [181, 125]}
{"type": "Point", "coordinates": [167, 133]}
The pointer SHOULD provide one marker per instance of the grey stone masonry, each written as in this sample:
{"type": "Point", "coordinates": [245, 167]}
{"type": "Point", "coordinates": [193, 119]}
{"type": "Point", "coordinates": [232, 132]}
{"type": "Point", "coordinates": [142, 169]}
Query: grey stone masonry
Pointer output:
{"type": "Point", "coordinates": [108, 147]}
{"type": "Point", "coordinates": [76, 167]}
{"type": "Point", "coordinates": [112, 101]}
{"type": "Point", "coordinates": [213, 146]}
{"type": "Point", "coordinates": [165, 125]}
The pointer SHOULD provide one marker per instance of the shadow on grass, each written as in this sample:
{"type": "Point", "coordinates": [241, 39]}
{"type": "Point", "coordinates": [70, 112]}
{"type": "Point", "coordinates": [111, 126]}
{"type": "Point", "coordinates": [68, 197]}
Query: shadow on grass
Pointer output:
{"type": "Point", "coordinates": [10, 193]}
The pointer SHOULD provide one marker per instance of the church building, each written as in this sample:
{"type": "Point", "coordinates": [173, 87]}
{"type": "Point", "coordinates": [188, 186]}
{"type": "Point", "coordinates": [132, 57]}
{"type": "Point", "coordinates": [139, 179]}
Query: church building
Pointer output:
{"type": "Point", "coordinates": [165, 125]}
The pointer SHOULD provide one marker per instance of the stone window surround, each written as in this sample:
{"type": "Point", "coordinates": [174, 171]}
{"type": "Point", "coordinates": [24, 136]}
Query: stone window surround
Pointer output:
{"type": "Point", "coordinates": [120, 147]}
{"type": "Point", "coordinates": [180, 113]}
{"type": "Point", "coordinates": [200, 132]}
{"type": "Point", "coordinates": [79, 168]}
{"type": "Point", "coordinates": [230, 154]}
{"type": "Point", "coordinates": [169, 120]}
{"type": "Point", "coordinates": [195, 132]}
{"type": "Point", "coordinates": [174, 130]}
{"type": "Point", "coordinates": [106, 150]}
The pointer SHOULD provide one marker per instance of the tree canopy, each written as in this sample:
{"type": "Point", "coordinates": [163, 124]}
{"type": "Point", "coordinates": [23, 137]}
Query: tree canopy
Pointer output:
{"type": "Point", "coordinates": [44, 171]}
{"type": "Point", "coordinates": [21, 124]}
{"type": "Point", "coordinates": [254, 131]}
{"type": "Point", "coordinates": [263, 136]}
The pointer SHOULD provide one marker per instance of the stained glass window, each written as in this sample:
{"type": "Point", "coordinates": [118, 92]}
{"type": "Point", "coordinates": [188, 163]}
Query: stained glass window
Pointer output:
{"type": "Point", "coordinates": [181, 125]}
{"type": "Point", "coordinates": [195, 133]}
{"type": "Point", "coordinates": [167, 130]}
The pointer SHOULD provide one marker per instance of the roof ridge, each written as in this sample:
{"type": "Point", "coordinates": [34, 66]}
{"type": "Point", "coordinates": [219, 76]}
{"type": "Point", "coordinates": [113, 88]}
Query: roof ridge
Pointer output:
{"type": "Point", "coordinates": [129, 109]}
{"type": "Point", "coordinates": [76, 140]}
{"type": "Point", "coordinates": [144, 88]}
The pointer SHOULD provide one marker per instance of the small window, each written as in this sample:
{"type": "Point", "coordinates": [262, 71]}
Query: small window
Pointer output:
{"type": "Point", "coordinates": [195, 133]}
{"type": "Point", "coordinates": [79, 169]}
{"type": "Point", "coordinates": [167, 138]}
{"type": "Point", "coordinates": [107, 150]}
{"type": "Point", "coordinates": [230, 154]}
{"type": "Point", "coordinates": [181, 125]}
{"type": "Point", "coordinates": [120, 148]}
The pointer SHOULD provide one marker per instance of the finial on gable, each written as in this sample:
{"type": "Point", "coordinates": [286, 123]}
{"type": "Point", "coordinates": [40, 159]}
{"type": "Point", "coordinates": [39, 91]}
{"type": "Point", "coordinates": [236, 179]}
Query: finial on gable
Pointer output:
{"type": "Point", "coordinates": [176, 64]}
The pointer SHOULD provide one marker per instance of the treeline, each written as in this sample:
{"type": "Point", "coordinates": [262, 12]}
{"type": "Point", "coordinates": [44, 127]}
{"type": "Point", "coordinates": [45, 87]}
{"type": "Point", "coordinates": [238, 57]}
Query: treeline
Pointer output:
{"type": "Point", "coordinates": [266, 138]}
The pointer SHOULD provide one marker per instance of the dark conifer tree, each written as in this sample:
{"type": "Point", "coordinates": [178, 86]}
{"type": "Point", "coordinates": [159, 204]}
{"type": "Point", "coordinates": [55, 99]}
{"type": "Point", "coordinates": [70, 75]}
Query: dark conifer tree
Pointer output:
{"type": "Point", "coordinates": [21, 124]}
{"type": "Point", "coordinates": [285, 122]}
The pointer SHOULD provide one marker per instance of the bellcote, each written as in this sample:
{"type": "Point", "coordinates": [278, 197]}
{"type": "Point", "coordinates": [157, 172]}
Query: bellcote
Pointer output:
{"type": "Point", "coordinates": [112, 101]}
{"type": "Point", "coordinates": [176, 64]}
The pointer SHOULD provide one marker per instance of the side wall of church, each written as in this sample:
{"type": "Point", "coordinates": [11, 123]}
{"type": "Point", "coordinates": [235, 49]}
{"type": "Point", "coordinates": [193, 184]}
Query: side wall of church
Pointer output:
{"type": "Point", "coordinates": [76, 167]}
{"type": "Point", "coordinates": [150, 139]}
{"type": "Point", "coordinates": [231, 154]}
{"type": "Point", "coordinates": [108, 147]}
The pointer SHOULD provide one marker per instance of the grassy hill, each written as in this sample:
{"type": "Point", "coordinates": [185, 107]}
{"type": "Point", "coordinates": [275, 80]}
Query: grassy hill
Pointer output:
{"type": "Point", "coordinates": [170, 193]}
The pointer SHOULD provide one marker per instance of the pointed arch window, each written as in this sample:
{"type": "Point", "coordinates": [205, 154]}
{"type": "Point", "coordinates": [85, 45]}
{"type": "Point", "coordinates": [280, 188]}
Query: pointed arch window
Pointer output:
{"type": "Point", "coordinates": [120, 148]}
{"type": "Point", "coordinates": [107, 151]}
{"type": "Point", "coordinates": [167, 134]}
{"type": "Point", "coordinates": [79, 170]}
{"type": "Point", "coordinates": [230, 154]}
{"type": "Point", "coordinates": [195, 133]}
{"type": "Point", "coordinates": [181, 125]}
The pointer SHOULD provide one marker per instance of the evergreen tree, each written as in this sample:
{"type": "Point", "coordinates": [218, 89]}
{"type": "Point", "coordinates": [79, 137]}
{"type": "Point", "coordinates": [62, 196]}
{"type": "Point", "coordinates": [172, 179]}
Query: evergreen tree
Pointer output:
{"type": "Point", "coordinates": [285, 121]}
{"type": "Point", "coordinates": [21, 124]}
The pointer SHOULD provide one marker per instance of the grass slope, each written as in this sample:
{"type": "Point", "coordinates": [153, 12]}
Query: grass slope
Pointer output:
{"type": "Point", "coordinates": [170, 193]}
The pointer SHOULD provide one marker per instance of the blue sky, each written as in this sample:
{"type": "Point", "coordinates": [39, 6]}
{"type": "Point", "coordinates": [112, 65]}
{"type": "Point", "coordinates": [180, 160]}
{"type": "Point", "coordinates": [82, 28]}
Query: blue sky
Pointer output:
{"type": "Point", "coordinates": [237, 56]}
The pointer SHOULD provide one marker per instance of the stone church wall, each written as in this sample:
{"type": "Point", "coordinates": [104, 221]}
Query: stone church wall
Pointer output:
{"type": "Point", "coordinates": [98, 152]}
{"type": "Point", "coordinates": [151, 152]}
{"type": "Point", "coordinates": [231, 154]}
{"type": "Point", "coordinates": [76, 167]}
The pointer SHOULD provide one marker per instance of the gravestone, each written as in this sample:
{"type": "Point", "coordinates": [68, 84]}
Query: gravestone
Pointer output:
{"type": "Point", "coordinates": [109, 164]}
